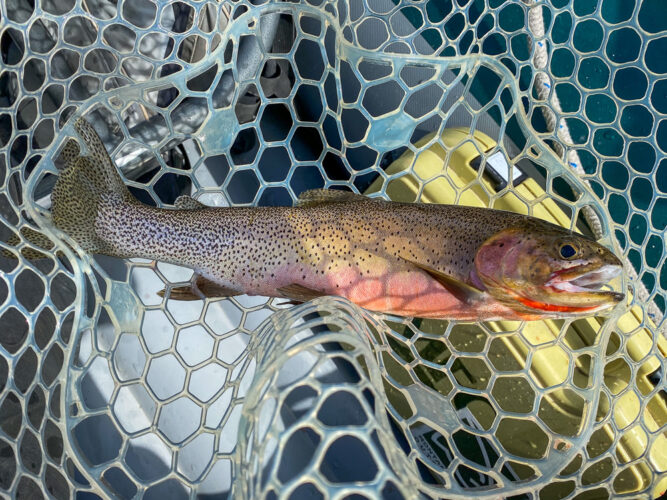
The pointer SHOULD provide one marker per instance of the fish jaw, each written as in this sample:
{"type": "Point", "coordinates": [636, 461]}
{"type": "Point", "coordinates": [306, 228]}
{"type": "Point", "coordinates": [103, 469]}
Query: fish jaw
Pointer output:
{"type": "Point", "coordinates": [555, 310]}
{"type": "Point", "coordinates": [578, 288]}
{"type": "Point", "coordinates": [582, 278]}
{"type": "Point", "coordinates": [572, 292]}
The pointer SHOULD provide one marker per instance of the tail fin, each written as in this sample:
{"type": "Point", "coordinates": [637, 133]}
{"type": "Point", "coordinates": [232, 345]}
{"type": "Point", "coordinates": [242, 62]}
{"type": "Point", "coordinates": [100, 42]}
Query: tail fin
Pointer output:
{"type": "Point", "coordinates": [81, 187]}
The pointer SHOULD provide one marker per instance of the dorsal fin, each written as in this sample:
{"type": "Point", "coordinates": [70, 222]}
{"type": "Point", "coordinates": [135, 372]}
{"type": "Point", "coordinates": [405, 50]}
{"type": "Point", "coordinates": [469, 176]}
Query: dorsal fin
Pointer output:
{"type": "Point", "coordinates": [315, 197]}
{"type": "Point", "coordinates": [185, 202]}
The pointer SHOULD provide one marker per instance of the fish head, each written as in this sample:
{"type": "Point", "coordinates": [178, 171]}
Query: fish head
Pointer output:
{"type": "Point", "coordinates": [547, 271]}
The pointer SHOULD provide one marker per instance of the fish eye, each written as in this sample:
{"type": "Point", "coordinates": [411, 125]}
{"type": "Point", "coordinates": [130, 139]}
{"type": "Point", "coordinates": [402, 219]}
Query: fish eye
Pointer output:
{"type": "Point", "coordinates": [567, 251]}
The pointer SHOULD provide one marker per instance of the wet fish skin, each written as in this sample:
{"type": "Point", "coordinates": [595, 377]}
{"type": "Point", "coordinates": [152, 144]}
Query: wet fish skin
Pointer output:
{"type": "Point", "coordinates": [407, 259]}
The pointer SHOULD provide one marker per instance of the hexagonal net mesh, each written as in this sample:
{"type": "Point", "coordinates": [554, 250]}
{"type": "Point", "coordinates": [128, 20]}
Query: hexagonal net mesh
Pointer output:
{"type": "Point", "coordinates": [553, 108]}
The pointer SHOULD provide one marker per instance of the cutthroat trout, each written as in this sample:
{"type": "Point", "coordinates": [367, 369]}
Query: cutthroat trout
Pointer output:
{"type": "Point", "coordinates": [407, 259]}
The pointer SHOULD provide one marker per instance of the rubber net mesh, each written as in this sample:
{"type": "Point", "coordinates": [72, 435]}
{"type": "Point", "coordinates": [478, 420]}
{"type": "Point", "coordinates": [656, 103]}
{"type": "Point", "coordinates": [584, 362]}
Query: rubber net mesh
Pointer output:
{"type": "Point", "coordinates": [109, 389]}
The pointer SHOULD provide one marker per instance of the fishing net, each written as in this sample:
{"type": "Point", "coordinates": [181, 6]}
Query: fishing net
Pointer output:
{"type": "Point", "coordinates": [552, 108]}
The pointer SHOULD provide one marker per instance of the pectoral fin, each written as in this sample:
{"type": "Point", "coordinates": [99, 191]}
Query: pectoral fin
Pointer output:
{"type": "Point", "coordinates": [299, 293]}
{"type": "Point", "coordinates": [462, 291]}
{"type": "Point", "coordinates": [198, 289]}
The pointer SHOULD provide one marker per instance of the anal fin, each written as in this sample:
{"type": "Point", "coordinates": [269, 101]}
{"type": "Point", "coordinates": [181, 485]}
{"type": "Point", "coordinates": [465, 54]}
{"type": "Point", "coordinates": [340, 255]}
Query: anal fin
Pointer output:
{"type": "Point", "coordinates": [299, 293]}
{"type": "Point", "coordinates": [462, 291]}
{"type": "Point", "coordinates": [198, 289]}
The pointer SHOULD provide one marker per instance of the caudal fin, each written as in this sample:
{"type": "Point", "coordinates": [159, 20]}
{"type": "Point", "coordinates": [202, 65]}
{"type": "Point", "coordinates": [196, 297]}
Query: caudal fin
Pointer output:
{"type": "Point", "coordinates": [84, 184]}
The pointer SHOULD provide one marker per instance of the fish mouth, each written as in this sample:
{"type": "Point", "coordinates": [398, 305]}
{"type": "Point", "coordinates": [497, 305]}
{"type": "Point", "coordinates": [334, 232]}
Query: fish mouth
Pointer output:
{"type": "Point", "coordinates": [586, 281]}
